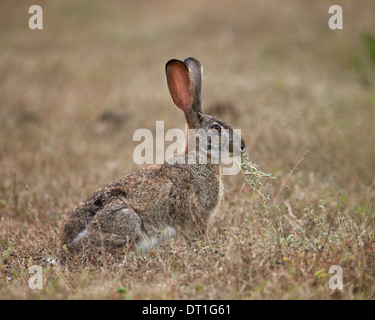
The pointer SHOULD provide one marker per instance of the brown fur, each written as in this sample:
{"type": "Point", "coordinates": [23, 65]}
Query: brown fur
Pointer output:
{"type": "Point", "coordinates": [156, 203]}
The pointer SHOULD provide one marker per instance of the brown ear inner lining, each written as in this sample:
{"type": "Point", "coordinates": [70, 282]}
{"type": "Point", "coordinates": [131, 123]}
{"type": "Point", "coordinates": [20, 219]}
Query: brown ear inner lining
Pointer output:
{"type": "Point", "coordinates": [180, 87]}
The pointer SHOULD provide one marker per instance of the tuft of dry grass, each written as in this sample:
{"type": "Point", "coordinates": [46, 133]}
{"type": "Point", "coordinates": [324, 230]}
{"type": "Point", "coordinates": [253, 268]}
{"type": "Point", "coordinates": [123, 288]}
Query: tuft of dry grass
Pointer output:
{"type": "Point", "coordinates": [73, 94]}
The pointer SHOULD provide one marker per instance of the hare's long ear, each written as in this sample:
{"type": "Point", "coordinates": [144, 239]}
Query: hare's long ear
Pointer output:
{"type": "Point", "coordinates": [181, 88]}
{"type": "Point", "coordinates": [196, 71]}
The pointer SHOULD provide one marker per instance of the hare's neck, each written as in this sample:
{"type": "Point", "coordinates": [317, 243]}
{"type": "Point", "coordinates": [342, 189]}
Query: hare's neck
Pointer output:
{"type": "Point", "coordinates": [187, 140]}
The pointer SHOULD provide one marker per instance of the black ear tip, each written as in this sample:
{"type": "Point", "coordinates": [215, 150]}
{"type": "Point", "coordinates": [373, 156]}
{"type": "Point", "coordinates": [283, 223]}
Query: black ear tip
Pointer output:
{"type": "Point", "coordinates": [174, 62]}
{"type": "Point", "coordinates": [187, 62]}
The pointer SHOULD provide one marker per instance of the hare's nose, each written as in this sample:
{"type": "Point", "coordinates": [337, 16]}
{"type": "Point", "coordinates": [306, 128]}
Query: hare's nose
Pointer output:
{"type": "Point", "coordinates": [243, 146]}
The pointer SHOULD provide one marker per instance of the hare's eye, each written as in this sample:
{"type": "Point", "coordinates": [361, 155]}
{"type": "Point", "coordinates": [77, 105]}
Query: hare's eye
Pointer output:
{"type": "Point", "coordinates": [216, 127]}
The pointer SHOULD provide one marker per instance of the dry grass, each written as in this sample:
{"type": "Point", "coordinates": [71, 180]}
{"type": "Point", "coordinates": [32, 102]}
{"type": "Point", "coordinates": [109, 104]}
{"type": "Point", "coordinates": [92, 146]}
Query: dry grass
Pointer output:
{"type": "Point", "coordinates": [73, 94]}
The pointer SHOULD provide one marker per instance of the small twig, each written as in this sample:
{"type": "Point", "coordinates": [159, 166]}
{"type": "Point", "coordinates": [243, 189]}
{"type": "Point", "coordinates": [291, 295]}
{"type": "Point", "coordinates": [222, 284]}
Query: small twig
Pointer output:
{"type": "Point", "coordinates": [252, 174]}
{"type": "Point", "coordinates": [321, 249]}
{"type": "Point", "coordinates": [287, 178]}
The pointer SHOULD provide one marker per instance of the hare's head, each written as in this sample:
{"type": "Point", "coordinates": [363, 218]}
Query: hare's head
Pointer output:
{"type": "Point", "coordinates": [205, 133]}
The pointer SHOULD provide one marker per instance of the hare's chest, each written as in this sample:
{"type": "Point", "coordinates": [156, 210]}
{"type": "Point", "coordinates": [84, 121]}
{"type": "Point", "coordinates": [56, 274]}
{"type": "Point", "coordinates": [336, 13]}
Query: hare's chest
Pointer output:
{"type": "Point", "coordinates": [221, 190]}
{"type": "Point", "coordinates": [220, 194]}
{"type": "Point", "coordinates": [208, 191]}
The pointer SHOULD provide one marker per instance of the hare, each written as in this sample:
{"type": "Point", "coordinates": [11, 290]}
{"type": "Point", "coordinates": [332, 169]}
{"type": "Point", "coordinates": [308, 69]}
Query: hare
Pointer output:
{"type": "Point", "coordinates": [157, 203]}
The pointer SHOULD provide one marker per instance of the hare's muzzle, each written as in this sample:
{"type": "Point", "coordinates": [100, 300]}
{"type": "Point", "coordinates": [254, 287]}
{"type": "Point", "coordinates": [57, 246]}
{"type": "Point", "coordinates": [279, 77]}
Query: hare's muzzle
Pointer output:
{"type": "Point", "coordinates": [237, 145]}
{"type": "Point", "coordinates": [243, 146]}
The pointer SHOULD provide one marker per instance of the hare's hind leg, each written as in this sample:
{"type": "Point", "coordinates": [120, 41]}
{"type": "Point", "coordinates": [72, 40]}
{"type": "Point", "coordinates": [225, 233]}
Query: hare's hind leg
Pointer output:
{"type": "Point", "coordinates": [114, 227]}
